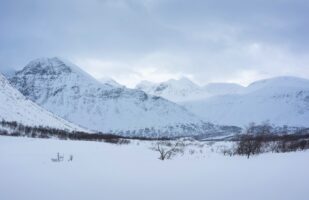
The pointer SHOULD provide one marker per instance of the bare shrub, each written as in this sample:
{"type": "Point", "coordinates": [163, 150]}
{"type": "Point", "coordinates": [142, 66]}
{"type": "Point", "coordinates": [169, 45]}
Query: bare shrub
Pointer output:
{"type": "Point", "coordinates": [167, 149]}
{"type": "Point", "coordinates": [70, 158]}
{"type": "Point", "coordinates": [59, 158]}
{"type": "Point", "coordinates": [192, 151]}
{"type": "Point", "coordinates": [249, 145]}
{"type": "Point", "coordinates": [227, 151]}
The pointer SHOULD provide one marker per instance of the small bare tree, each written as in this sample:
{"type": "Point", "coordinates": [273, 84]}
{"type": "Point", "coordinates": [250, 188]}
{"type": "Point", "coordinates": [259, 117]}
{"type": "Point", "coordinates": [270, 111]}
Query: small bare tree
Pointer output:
{"type": "Point", "coordinates": [167, 149]}
{"type": "Point", "coordinates": [70, 158]}
{"type": "Point", "coordinates": [249, 145]}
{"type": "Point", "coordinates": [265, 128]}
{"type": "Point", "coordinates": [59, 158]}
{"type": "Point", "coordinates": [250, 129]}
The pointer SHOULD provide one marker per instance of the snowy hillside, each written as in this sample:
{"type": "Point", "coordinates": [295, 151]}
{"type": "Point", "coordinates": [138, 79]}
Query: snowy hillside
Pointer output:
{"type": "Point", "coordinates": [66, 90]}
{"type": "Point", "coordinates": [173, 90]}
{"type": "Point", "coordinates": [110, 81]}
{"type": "Point", "coordinates": [15, 107]}
{"type": "Point", "coordinates": [282, 101]}
{"type": "Point", "coordinates": [7, 72]}
{"type": "Point", "coordinates": [183, 90]}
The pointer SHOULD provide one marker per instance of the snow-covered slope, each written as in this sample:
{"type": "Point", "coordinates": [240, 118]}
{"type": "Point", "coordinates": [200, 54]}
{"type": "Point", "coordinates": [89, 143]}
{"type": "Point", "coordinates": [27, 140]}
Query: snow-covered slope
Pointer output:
{"type": "Point", "coordinates": [63, 88]}
{"type": "Point", "coordinates": [110, 81]}
{"type": "Point", "coordinates": [15, 107]}
{"type": "Point", "coordinates": [7, 72]}
{"type": "Point", "coordinates": [173, 90]}
{"type": "Point", "coordinates": [281, 100]}
{"type": "Point", "coordinates": [183, 90]}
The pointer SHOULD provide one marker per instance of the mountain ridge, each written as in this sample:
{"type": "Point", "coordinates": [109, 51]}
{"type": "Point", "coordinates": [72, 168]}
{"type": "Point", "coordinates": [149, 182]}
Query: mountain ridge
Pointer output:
{"type": "Point", "coordinates": [15, 107]}
{"type": "Point", "coordinates": [102, 107]}
{"type": "Point", "coordinates": [279, 100]}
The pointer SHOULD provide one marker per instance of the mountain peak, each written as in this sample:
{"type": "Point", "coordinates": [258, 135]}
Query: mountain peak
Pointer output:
{"type": "Point", "coordinates": [182, 82]}
{"type": "Point", "coordinates": [46, 65]}
{"type": "Point", "coordinates": [278, 82]}
{"type": "Point", "coordinates": [55, 68]}
{"type": "Point", "coordinates": [103, 107]}
{"type": "Point", "coordinates": [110, 81]}
{"type": "Point", "coordinates": [174, 90]}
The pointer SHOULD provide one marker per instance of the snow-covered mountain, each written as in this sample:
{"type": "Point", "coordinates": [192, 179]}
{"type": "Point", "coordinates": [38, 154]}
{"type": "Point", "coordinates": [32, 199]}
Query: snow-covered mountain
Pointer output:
{"type": "Point", "coordinates": [281, 100]}
{"type": "Point", "coordinates": [7, 72]}
{"type": "Point", "coordinates": [64, 89]}
{"type": "Point", "coordinates": [173, 90]}
{"type": "Point", "coordinates": [110, 81]}
{"type": "Point", "coordinates": [183, 90]}
{"type": "Point", "coordinates": [15, 107]}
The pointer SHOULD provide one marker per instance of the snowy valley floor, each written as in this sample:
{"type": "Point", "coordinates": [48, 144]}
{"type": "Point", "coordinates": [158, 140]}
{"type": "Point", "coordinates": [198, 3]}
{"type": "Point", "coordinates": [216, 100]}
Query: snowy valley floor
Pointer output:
{"type": "Point", "coordinates": [134, 172]}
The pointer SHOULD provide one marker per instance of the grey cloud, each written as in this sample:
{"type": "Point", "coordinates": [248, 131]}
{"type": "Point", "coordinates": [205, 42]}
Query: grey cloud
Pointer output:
{"type": "Point", "coordinates": [213, 40]}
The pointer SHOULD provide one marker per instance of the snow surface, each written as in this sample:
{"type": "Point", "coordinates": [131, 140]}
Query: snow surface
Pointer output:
{"type": "Point", "coordinates": [64, 89]}
{"type": "Point", "coordinates": [15, 107]}
{"type": "Point", "coordinates": [133, 172]}
{"type": "Point", "coordinates": [280, 100]}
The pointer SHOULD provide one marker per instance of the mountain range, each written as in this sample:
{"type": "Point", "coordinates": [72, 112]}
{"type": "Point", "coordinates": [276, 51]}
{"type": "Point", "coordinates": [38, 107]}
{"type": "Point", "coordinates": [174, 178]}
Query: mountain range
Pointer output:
{"type": "Point", "coordinates": [184, 89]}
{"type": "Point", "coordinates": [279, 101]}
{"type": "Point", "coordinates": [64, 89]}
{"type": "Point", "coordinates": [56, 93]}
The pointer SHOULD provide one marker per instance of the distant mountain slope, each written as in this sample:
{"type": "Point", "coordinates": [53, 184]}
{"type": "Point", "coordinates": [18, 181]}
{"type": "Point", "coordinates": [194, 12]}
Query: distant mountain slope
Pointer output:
{"type": "Point", "coordinates": [63, 88]}
{"type": "Point", "coordinates": [173, 90]}
{"type": "Point", "coordinates": [15, 107]}
{"type": "Point", "coordinates": [110, 81]}
{"type": "Point", "coordinates": [183, 90]}
{"type": "Point", "coordinates": [281, 100]}
{"type": "Point", "coordinates": [223, 88]}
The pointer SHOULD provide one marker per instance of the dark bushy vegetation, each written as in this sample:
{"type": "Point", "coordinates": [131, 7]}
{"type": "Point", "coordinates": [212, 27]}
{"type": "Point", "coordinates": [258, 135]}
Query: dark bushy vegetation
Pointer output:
{"type": "Point", "coordinates": [253, 142]}
{"type": "Point", "coordinates": [17, 129]}
{"type": "Point", "coordinates": [167, 149]}
{"type": "Point", "coordinates": [265, 138]}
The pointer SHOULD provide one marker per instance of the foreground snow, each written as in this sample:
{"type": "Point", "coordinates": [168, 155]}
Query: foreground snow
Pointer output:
{"type": "Point", "coordinates": [106, 171]}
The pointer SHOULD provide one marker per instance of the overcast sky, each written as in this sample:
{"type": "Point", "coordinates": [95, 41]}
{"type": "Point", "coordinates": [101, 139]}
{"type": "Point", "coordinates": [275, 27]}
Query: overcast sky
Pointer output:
{"type": "Point", "coordinates": [132, 40]}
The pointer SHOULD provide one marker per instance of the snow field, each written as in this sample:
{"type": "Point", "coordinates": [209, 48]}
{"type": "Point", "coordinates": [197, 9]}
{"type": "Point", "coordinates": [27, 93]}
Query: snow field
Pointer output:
{"type": "Point", "coordinates": [106, 171]}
